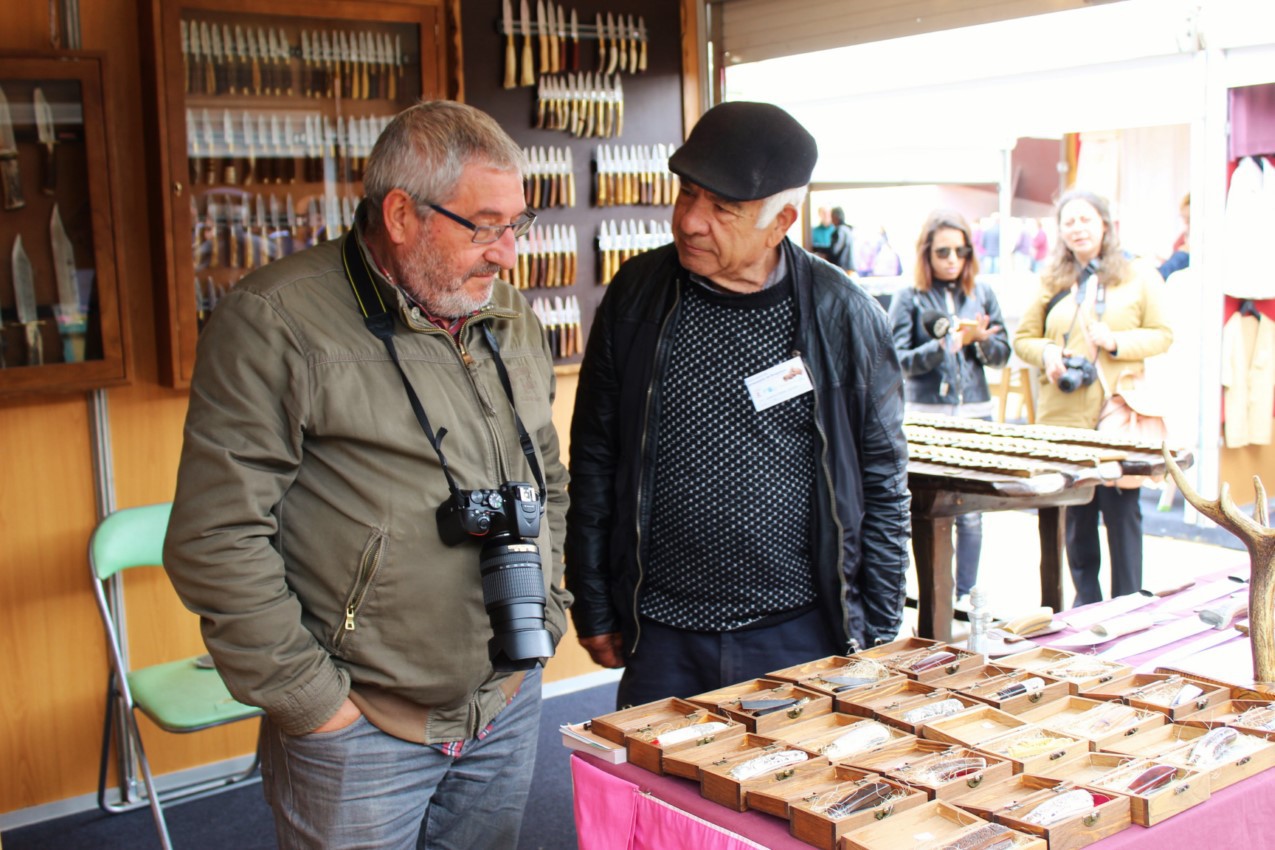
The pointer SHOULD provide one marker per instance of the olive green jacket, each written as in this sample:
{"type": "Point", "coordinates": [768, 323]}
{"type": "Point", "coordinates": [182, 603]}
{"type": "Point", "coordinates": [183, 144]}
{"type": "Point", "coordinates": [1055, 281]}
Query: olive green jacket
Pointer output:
{"type": "Point", "coordinates": [303, 531]}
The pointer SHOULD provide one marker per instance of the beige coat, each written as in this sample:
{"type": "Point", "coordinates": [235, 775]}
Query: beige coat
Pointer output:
{"type": "Point", "coordinates": [1135, 315]}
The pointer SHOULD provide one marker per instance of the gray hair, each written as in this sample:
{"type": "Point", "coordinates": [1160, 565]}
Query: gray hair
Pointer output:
{"type": "Point", "coordinates": [425, 149]}
{"type": "Point", "coordinates": [771, 207]}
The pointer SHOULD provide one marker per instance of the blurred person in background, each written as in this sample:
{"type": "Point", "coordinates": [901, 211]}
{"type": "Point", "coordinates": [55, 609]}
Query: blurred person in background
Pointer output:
{"type": "Point", "coordinates": [841, 248]}
{"type": "Point", "coordinates": [946, 328]}
{"type": "Point", "coordinates": [821, 234]}
{"type": "Point", "coordinates": [1097, 316]}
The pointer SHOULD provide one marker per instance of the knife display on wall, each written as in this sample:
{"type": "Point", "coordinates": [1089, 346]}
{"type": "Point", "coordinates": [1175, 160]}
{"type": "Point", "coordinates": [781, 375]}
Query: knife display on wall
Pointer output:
{"type": "Point", "coordinates": [634, 175]}
{"type": "Point", "coordinates": [560, 317]}
{"type": "Point", "coordinates": [547, 257]}
{"type": "Point", "coordinates": [10, 174]}
{"type": "Point", "coordinates": [24, 302]}
{"type": "Point", "coordinates": [622, 41]}
{"type": "Point", "coordinates": [69, 311]}
{"type": "Point", "coordinates": [549, 181]}
{"type": "Point", "coordinates": [620, 241]}
{"type": "Point", "coordinates": [586, 105]}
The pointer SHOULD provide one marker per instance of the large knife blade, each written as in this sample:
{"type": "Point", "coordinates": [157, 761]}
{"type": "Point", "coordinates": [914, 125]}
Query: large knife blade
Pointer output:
{"type": "Point", "coordinates": [24, 301]}
{"type": "Point", "coordinates": [511, 57]}
{"type": "Point", "coordinates": [10, 177]}
{"type": "Point", "coordinates": [71, 317]}
{"type": "Point", "coordinates": [44, 130]}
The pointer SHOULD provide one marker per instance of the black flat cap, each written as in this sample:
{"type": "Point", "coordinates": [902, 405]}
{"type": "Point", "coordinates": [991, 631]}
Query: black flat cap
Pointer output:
{"type": "Point", "coordinates": [744, 151]}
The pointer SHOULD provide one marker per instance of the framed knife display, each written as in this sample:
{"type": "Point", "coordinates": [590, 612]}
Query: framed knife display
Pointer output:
{"type": "Point", "coordinates": [62, 323]}
{"type": "Point", "coordinates": [267, 114]}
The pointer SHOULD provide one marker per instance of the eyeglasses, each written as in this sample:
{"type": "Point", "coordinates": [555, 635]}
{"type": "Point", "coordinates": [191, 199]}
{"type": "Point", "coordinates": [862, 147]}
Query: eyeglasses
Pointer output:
{"type": "Point", "coordinates": [964, 252]}
{"type": "Point", "coordinates": [486, 234]}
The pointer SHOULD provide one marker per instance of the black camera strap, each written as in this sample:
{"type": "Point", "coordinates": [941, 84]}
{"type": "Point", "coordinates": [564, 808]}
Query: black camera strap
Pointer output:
{"type": "Point", "coordinates": [380, 321]}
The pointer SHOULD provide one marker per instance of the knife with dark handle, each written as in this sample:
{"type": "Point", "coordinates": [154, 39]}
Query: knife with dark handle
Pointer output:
{"type": "Point", "coordinates": [10, 176]}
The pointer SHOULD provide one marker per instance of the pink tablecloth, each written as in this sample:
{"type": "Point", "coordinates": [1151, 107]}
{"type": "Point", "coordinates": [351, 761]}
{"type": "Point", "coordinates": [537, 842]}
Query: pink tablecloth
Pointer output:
{"type": "Point", "coordinates": [623, 807]}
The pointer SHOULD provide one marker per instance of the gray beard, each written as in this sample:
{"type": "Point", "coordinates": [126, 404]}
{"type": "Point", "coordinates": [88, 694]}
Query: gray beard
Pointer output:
{"type": "Point", "coordinates": [431, 282]}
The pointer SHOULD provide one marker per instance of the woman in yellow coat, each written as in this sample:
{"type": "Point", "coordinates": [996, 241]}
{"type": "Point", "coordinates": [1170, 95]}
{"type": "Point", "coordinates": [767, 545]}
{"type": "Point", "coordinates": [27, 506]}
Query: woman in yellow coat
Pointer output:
{"type": "Point", "coordinates": [1097, 311]}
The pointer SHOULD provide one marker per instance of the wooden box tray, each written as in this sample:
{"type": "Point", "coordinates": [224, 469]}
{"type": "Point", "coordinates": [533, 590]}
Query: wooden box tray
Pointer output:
{"type": "Point", "coordinates": [1086, 768]}
{"type": "Point", "coordinates": [1156, 742]}
{"type": "Point", "coordinates": [732, 701]}
{"type": "Point", "coordinates": [1252, 716]}
{"type": "Point", "coordinates": [998, 687]}
{"type": "Point", "coordinates": [1161, 692]}
{"type": "Point", "coordinates": [911, 707]}
{"type": "Point", "coordinates": [687, 763]}
{"type": "Point", "coordinates": [935, 767]}
{"type": "Point", "coordinates": [808, 782]}
{"type": "Point", "coordinates": [717, 783]}
{"type": "Point", "coordinates": [849, 669]}
{"type": "Point", "coordinates": [1030, 748]}
{"type": "Point", "coordinates": [973, 726]}
{"type": "Point", "coordinates": [826, 735]}
{"type": "Point", "coordinates": [923, 659]}
{"type": "Point", "coordinates": [616, 726]}
{"type": "Point", "coordinates": [1187, 788]}
{"type": "Point", "coordinates": [1098, 722]}
{"type": "Point", "coordinates": [866, 703]}
{"type": "Point", "coordinates": [1079, 671]}
{"type": "Point", "coordinates": [1111, 814]}
{"type": "Point", "coordinates": [1247, 756]}
{"type": "Point", "coordinates": [934, 824]}
{"type": "Point", "coordinates": [811, 822]}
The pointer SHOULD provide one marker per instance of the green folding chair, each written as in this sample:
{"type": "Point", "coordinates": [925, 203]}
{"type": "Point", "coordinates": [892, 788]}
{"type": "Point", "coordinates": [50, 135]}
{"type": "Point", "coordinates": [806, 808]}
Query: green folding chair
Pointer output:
{"type": "Point", "coordinates": [179, 696]}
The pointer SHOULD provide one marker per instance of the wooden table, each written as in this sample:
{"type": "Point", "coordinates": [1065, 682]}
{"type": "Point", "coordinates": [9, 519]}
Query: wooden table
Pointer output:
{"type": "Point", "coordinates": [942, 491]}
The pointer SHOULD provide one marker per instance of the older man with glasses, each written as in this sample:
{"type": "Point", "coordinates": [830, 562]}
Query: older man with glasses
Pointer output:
{"type": "Point", "coordinates": [366, 422]}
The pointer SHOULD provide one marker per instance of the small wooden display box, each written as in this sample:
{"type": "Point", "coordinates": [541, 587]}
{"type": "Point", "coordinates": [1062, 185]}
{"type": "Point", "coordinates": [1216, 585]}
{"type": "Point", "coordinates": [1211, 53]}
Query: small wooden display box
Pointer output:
{"type": "Point", "coordinates": [639, 728]}
{"type": "Point", "coordinates": [1157, 691]}
{"type": "Point", "coordinates": [1082, 672]}
{"type": "Point", "coordinates": [1157, 742]}
{"type": "Point", "coordinates": [731, 701]}
{"type": "Point", "coordinates": [776, 798]}
{"type": "Point", "coordinates": [717, 784]}
{"type": "Point", "coordinates": [847, 667]}
{"type": "Point", "coordinates": [1100, 723]}
{"type": "Point", "coordinates": [687, 763]}
{"type": "Point", "coordinates": [906, 705]}
{"type": "Point", "coordinates": [1250, 716]}
{"type": "Point", "coordinates": [1089, 768]}
{"type": "Point", "coordinates": [987, 682]}
{"type": "Point", "coordinates": [1024, 745]}
{"type": "Point", "coordinates": [1070, 833]}
{"type": "Point", "coordinates": [923, 659]}
{"type": "Point", "coordinates": [817, 734]}
{"type": "Point", "coordinates": [810, 821]}
{"type": "Point", "coordinates": [943, 771]}
{"type": "Point", "coordinates": [1248, 756]}
{"type": "Point", "coordinates": [934, 824]}
{"type": "Point", "coordinates": [1188, 788]}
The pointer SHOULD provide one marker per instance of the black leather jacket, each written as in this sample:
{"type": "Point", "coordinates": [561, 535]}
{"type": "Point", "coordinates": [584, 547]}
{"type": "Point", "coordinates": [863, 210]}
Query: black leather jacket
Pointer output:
{"type": "Point", "coordinates": [861, 501]}
{"type": "Point", "coordinates": [936, 375]}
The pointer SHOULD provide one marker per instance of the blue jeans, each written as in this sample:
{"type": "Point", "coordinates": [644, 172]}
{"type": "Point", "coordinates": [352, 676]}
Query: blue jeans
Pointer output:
{"type": "Point", "coordinates": [358, 787]}
{"type": "Point", "coordinates": [969, 546]}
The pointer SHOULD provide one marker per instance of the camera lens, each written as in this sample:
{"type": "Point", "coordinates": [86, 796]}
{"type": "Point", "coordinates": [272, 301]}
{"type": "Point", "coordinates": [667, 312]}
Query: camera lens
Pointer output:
{"type": "Point", "coordinates": [1068, 381]}
{"type": "Point", "coordinates": [514, 595]}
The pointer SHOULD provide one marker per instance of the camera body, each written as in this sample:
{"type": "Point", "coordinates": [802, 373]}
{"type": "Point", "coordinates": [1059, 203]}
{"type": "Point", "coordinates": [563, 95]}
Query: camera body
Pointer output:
{"type": "Point", "coordinates": [507, 521]}
{"type": "Point", "coordinates": [1079, 372]}
{"type": "Point", "coordinates": [511, 509]}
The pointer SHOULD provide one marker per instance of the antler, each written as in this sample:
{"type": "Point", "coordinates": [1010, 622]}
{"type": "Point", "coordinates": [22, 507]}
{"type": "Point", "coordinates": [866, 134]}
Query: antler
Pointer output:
{"type": "Point", "coordinates": [1259, 539]}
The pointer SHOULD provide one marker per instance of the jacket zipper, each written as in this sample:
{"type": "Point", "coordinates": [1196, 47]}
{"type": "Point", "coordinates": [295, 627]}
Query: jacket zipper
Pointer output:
{"type": "Point", "coordinates": [646, 428]}
{"type": "Point", "coordinates": [369, 564]}
{"type": "Point", "coordinates": [832, 496]}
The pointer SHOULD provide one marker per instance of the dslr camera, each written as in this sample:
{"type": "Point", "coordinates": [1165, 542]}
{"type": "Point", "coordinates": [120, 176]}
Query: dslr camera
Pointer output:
{"type": "Point", "coordinates": [1080, 372]}
{"type": "Point", "coordinates": [507, 521]}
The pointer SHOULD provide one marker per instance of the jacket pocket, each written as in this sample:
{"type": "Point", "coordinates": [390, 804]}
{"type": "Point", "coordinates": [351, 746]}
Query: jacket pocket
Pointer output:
{"type": "Point", "coordinates": [365, 575]}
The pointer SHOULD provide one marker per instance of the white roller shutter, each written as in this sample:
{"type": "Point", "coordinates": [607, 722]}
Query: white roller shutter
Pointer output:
{"type": "Point", "coordinates": [754, 30]}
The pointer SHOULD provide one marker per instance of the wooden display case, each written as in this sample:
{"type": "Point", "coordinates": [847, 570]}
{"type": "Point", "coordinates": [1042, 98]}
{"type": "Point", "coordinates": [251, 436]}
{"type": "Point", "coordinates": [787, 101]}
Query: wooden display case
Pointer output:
{"type": "Point", "coordinates": [266, 115]}
{"type": "Point", "coordinates": [63, 323]}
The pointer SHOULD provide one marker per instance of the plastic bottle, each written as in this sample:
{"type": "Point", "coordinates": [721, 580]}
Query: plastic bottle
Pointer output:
{"type": "Point", "coordinates": [979, 620]}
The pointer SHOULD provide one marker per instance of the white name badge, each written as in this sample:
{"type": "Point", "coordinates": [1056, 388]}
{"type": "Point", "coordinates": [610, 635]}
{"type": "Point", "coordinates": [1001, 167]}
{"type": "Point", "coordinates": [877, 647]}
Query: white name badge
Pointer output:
{"type": "Point", "coordinates": [778, 383]}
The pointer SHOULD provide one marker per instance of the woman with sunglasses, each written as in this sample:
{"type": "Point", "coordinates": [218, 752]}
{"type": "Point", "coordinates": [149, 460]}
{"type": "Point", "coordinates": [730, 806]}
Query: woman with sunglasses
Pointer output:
{"type": "Point", "coordinates": [946, 328]}
{"type": "Point", "coordinates": [1096, 318]}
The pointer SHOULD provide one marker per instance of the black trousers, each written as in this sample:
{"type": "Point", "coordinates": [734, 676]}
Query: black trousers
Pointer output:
{"type": "Point", "coordinates": [1121, 513]}
{"type": "Point", "coordinates": [673, 662]}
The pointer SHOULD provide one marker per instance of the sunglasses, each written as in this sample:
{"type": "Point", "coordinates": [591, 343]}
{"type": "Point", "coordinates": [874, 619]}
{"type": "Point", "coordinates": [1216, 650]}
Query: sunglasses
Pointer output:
{"type": "Point", "coordinates": [964, 252]}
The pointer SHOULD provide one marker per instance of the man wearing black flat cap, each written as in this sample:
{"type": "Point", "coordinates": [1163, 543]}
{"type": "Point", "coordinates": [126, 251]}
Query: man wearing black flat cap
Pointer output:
{"type": "Point", "coordinates": [739, 496]}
